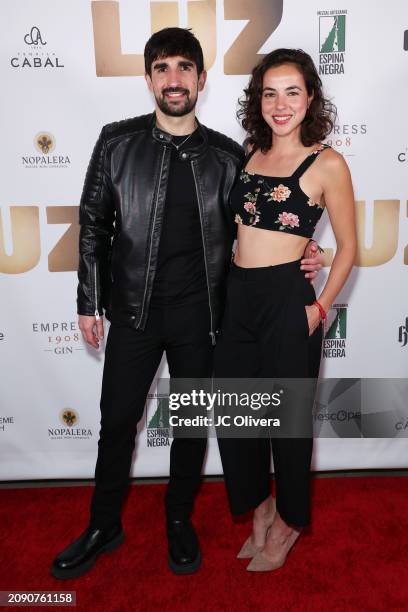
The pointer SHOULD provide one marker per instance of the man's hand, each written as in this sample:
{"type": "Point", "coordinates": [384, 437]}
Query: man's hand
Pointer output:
{"type": "Point", "coordinates": [312, 260]}
{"type": "Point", "coordinates": [92, 329]}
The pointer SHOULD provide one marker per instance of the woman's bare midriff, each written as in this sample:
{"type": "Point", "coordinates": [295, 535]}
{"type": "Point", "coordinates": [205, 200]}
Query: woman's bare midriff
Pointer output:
{"type": "Point", "coordinates": [259, 247]}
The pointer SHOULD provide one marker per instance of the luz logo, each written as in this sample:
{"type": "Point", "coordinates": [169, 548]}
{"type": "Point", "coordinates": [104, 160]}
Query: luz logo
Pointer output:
{"type": "Point", "coordinates": [34, 37]}
{"type": "Point", "coordinates": [403, 333]}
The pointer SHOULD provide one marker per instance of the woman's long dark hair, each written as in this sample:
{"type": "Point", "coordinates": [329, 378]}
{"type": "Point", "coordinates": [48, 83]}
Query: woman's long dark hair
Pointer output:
{"type": "Point", "coordinates": [320, 116]}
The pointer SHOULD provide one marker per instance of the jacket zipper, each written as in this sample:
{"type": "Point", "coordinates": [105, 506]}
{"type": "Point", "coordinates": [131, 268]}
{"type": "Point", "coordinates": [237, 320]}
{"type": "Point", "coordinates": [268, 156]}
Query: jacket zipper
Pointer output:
{"type": "Point", "coordinates": [151, 238]}
{"type": "Point", "coordinates": [212, 334]}
{"type": "Point", "coordinates": [97, 315]}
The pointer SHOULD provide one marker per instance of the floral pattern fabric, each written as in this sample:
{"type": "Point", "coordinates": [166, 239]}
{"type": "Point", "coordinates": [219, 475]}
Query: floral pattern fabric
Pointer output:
{"type": "Point", "coordinates": [276, 203]}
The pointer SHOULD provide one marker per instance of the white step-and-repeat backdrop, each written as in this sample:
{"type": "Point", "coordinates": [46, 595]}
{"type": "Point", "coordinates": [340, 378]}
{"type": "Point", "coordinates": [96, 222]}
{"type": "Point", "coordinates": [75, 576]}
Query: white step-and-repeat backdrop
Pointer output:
{"type": "Point", "coordinates": [70, 66]}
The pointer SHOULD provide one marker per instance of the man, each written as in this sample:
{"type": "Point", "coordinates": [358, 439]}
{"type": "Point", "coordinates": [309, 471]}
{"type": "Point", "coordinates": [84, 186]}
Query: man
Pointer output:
{"type": "Point", "coordinates": [155, 246]}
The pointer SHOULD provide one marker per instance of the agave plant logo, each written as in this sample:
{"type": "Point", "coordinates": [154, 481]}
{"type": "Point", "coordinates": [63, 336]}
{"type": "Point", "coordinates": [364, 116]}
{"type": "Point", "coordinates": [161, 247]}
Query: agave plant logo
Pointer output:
{"type": "Point", "coordinates": [69, 417]}
{"type": "Point", "coordinates": [338, 327]}
{"type": "Point", "coordinates": [160, 418]}
{"type": "Point", "coordinates": [332, 34]}
{"type": "Point", "coordinates": [44, 142]}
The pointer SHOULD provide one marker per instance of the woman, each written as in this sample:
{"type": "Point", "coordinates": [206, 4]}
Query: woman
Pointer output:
{"type": "Point", "coordinates": [272, 322]}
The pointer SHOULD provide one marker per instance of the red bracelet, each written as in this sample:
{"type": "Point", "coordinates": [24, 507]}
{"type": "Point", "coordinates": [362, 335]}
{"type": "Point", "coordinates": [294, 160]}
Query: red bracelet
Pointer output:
{"type": "Point", "coordinates": [322, 311]}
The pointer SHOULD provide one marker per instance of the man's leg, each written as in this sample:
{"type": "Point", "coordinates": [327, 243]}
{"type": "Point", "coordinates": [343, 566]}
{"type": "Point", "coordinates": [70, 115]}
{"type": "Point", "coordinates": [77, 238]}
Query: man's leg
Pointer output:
{"type": "Point", "coordinates": [131, 360]}
{"type": "Point", "coordinates": [189, 355]}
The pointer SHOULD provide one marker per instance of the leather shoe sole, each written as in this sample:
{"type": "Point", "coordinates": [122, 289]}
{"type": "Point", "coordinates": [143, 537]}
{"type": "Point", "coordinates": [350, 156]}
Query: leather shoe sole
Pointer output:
{"type": "Point", "coordinates": [79, 570]}
{"type": "Point", "coordinates": [184, 568]}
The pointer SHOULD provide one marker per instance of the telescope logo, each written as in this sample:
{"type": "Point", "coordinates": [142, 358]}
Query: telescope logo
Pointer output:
{"type": "Point", "coordinates": [403, 334]}
{"type": "Point", "coordinates": [69, 418]}
{"type": "Point", "coordinates": [334, 345]}
{"type": "Point", "coordinates": [332, 41]}
{"type": "Point", "coordinates": [158, 425]}
{"type": "Point", "coordinates": [45, 143]}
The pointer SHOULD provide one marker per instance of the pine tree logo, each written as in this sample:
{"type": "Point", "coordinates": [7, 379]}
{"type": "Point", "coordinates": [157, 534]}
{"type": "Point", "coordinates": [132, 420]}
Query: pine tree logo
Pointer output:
{"type": "Point", "coordinates": [332, 34]}
{"type": "Point", "coordinates": [160, 419]}
{"type": "Point", "coordinates": [338, 328]}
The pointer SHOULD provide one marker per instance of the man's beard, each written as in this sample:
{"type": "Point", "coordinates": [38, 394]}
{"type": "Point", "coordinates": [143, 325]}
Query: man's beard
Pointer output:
{"type": "Point", "coordinates": [172, 110]}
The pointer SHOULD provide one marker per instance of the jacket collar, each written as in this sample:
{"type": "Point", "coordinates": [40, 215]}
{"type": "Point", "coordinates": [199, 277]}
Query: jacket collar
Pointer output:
{"type": "Point", "coordinates": [188, 152]}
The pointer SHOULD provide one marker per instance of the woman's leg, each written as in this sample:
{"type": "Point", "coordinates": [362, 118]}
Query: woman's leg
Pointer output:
{"type": "Point", "coordinates": [237, 356]}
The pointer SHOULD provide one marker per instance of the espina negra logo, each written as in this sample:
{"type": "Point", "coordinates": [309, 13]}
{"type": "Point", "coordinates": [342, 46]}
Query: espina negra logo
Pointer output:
{"type": "Point", "coordinates": [45, 143]}
{"type": "Point", "coordinates": [335, 338]}
{"type": "Point", "coordinates": [69, 418]}
{"type": "Point", "coordinates": [332, 41]}
{"type": "Point", "coordinates": [158, 425]}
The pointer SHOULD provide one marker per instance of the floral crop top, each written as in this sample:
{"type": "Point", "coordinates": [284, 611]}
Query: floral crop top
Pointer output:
{"type": "Point", "coordinates": [276, 203]}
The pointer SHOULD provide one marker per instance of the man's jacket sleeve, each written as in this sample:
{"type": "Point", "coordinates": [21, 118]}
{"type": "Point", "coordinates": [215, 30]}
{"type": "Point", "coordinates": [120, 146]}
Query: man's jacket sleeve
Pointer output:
{"type": "Point", "coordinates": [96, 219]}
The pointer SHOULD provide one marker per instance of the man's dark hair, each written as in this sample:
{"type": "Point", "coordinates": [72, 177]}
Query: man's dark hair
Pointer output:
{"type": "Point", "coordinates": [170, 42]}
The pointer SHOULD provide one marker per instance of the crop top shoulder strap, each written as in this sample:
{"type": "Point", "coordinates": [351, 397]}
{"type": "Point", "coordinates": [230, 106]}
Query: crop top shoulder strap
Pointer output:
{"type": "Point", "coordinates": [249, 155]}
{"type": "Point", "coordinates": [308, 162]}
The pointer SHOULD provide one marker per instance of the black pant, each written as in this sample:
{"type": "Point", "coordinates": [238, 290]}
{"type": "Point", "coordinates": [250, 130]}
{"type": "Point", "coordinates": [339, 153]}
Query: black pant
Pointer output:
{"type": "Point", "coordinates": [265, 334]}
{"type": "Point", "coordinates": [131, 360]}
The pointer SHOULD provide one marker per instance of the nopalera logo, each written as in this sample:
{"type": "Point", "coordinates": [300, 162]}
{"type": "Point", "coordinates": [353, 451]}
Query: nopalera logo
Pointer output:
{"type": "Point", "coordinates": [335, 338]}
{"type": "Point", "coordinates": [69, 417]}
{"type": "Point", "coordinates": [158, 425]}
{"type": "Point", "coordinates": [332, 41]}
{"type": "Point", "coordinates": [44, 142]}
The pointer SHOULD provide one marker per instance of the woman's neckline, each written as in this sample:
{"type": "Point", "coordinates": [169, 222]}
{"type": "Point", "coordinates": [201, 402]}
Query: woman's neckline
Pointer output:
{"type": "Point", "coordinates": [322, 146]}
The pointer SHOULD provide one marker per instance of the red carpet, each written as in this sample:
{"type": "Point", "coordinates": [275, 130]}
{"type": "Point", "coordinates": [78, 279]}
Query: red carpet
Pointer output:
{"type": "Point", "coordinates": [354, 557]}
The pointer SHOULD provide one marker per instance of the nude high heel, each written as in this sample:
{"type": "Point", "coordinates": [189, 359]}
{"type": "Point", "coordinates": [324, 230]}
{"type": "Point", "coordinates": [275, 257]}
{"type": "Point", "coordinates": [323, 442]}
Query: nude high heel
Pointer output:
{"type": "Point", "coordinates": [249, 549]}
{"type": "Point", "coordinates": [261, 563]}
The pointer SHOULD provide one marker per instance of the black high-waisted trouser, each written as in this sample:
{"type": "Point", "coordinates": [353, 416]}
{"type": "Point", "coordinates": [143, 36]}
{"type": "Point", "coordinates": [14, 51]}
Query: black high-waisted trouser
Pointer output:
{"type": "Point", "coordinates": [265, 334]}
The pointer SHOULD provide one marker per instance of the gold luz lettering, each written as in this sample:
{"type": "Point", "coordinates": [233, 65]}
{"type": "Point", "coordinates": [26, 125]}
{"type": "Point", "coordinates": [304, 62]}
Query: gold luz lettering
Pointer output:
{"type": "Point", "coordinates": [63, 257]}
{"type": "Point", "coordinates": [263, 17]}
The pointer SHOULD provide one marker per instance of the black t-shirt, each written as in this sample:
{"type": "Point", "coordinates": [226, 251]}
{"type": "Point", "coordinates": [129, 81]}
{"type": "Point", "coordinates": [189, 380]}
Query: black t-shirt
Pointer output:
{"type": "Point", "coordinates": [180, 275]}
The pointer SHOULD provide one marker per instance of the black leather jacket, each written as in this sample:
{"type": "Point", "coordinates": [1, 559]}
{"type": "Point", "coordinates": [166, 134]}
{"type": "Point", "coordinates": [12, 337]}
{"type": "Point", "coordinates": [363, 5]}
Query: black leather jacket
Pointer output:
{"type": "Point", "coordinates": [121, 215]}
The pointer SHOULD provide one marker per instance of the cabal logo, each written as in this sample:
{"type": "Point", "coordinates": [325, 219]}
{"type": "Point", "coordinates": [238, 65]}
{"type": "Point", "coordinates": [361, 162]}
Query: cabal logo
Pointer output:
{"type": "Point", "coordinates": [69, 418]}
{"type": "Point", "coordinates": [45, 143]}
{"type": "Point", "coordinates": [34, 37]}
{"type": "Point", "coordinates": [334, 344]}
{"type": "Point", "coordinates": [332, 41]}
{"type": "Point", "coordinates": [158, 424]}
{"type": "Point", "coordinates": [34, 54]}
{"type": "Point", "coordinates": [58, 337]}
{"type": "Point", "coordinates": [403, 333]}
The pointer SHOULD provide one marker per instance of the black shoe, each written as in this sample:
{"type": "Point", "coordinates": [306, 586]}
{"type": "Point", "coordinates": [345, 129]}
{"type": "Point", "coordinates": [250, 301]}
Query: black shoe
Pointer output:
{"type": "Point", "coordinates": [81, 555]}
{"type": "Point", "coordinates": [184, 550]}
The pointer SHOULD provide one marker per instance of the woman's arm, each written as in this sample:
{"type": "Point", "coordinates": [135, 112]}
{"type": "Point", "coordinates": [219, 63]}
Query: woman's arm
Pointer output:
{"type": "Point", "coordinates": [339, 198]}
